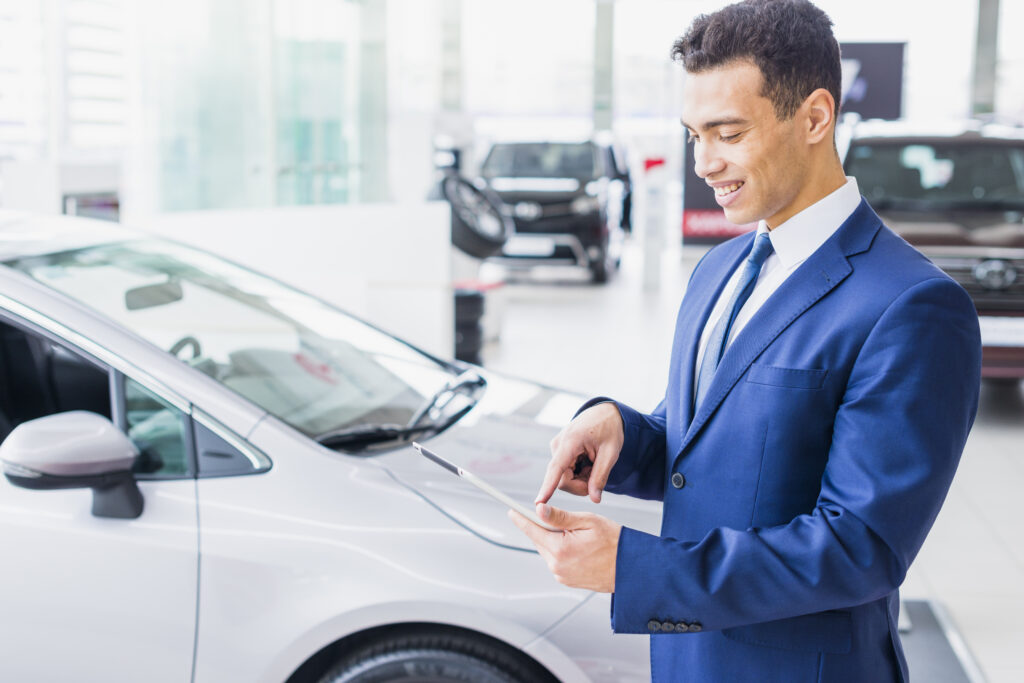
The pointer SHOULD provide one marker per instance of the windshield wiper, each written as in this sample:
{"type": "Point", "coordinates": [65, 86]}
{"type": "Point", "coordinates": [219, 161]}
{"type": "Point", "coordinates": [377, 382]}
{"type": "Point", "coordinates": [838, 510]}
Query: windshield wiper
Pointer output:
{"type": "Point", "coordinates": [367, 434]}
{"type": "Point", "coordinates": [468, 378]}
{"type": "Point", "coordinates": [364, 435]}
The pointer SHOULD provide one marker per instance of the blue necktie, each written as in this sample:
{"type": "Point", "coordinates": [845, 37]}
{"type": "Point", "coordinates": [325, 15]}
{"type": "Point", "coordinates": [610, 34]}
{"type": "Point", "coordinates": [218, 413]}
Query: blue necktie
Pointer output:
{"type": "Point", "coordinates": [716, 342]}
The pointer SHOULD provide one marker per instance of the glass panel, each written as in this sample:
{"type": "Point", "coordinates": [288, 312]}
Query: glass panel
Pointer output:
{"type": "Point", "coordinates": [312, 152]}
{"type": "Point", "coordinates": [158, 429]}
{"type": "Point", "coordinates": [305, 362]}
{"type": "Point", "coordinates": [257, 104]}
{"type": "Point", "coordinates": [540, 160]}
{"type": "Point", "coordinates": [968, 174]}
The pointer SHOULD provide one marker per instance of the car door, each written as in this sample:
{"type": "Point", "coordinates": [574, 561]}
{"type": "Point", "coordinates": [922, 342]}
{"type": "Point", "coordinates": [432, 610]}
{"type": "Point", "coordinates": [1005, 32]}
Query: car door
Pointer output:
{"type": "Point", "coordinates": [86, 598]}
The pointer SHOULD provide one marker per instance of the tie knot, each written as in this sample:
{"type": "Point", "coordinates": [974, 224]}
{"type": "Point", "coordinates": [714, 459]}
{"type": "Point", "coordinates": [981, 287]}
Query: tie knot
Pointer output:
{"type": "Point", "coordinates": [761, 250]}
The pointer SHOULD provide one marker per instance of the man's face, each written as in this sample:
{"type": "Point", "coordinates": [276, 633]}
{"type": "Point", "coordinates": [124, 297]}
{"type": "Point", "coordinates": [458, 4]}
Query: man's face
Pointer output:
{"type": "Point", "coordinates": [755, 163]}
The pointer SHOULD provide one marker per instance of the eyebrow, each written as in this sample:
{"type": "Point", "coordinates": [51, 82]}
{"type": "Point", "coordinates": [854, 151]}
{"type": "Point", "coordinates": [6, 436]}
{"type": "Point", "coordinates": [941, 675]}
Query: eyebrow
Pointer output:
{"type": "Point", "coordinates": [716, 123]}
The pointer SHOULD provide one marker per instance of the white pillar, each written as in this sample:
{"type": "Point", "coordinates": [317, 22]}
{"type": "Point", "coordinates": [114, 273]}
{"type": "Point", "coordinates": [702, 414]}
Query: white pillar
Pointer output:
{"type": "Point", "coordinates": [983, 88]}
{"type": "Point", "coordinates": [373, 102]}
{"type": "Point", "coordinates": [603, 41]}
{"type": "Point", "coordinates": [655, 178]}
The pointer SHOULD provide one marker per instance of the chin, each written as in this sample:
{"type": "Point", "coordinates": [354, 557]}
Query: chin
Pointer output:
{"type": "Point", "coordinates": [738, 217]}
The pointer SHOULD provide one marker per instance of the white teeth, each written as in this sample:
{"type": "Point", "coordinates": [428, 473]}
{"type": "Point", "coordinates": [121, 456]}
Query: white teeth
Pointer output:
{"type": "Point", "coordinates": [722, 191]}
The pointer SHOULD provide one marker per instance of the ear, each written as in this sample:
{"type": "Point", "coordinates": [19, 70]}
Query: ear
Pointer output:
{"type": "Point", "coordinates": [820, 115]}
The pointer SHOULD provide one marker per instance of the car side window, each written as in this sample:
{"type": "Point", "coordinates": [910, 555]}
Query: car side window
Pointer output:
{"type": "Point", "coordinates": [160, 432]}
{"type": "Point", "coordinates": [40, 377]}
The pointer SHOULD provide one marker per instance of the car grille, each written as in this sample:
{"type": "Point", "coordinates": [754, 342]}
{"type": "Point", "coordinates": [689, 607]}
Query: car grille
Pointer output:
{"type": "Point", "coordinates": [570, 224]}
{"type": "Point", "coordinates": [553, 210]}
{"type": "Point", "coordinates": [1007, 297]}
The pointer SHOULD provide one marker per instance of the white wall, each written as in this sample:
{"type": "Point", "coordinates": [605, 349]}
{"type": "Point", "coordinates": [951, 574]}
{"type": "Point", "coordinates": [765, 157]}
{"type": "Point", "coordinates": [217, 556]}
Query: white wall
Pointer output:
{"type": "Point", "coordinates": [40, 185]}
{"type": "Point", "coordinates": [389, 264]}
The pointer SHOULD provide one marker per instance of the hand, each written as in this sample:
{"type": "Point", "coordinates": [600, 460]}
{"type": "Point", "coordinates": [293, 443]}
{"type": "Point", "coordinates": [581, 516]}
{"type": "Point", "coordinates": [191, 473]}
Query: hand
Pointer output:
{"type": "Point", "coordinates": [583, 453]}
{"type": "Point", "coordinates": [582, 555]}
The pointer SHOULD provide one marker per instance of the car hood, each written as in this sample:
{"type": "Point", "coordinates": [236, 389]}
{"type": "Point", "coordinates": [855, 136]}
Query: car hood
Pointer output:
{"type": "Point", "coordinates": [983, 230]}
{"type": "Point", "coordinates": [504, 440]}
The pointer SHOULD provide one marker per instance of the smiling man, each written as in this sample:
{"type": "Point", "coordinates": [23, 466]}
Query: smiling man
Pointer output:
{"type": "Point", "coordinates": [824, 377]}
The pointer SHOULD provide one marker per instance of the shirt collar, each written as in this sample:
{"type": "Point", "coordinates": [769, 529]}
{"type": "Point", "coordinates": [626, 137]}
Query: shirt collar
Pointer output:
{"type": "Point", "coordinates": [799, 237]}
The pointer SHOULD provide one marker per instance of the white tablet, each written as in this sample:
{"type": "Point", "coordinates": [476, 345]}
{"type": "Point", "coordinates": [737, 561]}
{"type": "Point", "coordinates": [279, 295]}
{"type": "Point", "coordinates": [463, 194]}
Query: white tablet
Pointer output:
{"type": "Point", "coordinates": [484, 486]}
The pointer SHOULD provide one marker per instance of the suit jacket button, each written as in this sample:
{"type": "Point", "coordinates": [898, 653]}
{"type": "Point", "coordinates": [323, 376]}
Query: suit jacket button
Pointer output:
{"type": "Point", "coordinates": [695, 627]}
{"type": "Point", "coordinates": [678, 480]}
{"type": "Point", "coordinates": [668, 627]}
{"type": "Point", "coordinates": [653, 626]}
{"type": "Point", "coordinates": [682, 627]}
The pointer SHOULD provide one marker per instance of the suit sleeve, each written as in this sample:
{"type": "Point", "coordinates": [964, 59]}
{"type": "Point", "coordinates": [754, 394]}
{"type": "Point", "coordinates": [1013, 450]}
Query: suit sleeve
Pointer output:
{"type": "Point", "coordinates": [899, 431]}
{"type": "Point", "coordinates": [640, 469]}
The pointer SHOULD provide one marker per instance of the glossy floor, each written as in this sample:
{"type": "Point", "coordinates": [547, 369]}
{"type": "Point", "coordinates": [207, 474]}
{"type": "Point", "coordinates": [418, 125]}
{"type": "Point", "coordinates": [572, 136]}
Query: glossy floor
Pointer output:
{"type": "Point", "coordinates": [557, 328]}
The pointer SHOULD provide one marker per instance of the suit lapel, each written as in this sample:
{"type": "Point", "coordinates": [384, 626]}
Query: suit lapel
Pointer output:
{"type": "Point", "coordinates": [817, 276]}
{"type": "Point", "coordinates": [694, 326]}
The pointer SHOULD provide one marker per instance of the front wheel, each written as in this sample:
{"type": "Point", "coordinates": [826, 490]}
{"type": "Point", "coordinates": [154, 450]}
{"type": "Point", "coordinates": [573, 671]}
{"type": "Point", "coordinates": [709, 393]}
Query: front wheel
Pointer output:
{"type": "Point", "coordinates": [601, 268]}
{"type": "Point", "coordinates": [429, 658]}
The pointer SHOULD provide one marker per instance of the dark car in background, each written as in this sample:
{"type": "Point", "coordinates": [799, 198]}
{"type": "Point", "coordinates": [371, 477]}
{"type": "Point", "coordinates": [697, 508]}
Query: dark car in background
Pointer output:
{"type": "Point", "coordinates": [957, 195]}
{"type": "Point", "coordinates": [570, 202]}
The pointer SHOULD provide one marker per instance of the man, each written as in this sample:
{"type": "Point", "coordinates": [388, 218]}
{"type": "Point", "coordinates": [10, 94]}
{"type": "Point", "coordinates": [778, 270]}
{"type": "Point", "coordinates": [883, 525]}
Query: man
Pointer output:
{"type": "Point", "coordinates": [824, 378]}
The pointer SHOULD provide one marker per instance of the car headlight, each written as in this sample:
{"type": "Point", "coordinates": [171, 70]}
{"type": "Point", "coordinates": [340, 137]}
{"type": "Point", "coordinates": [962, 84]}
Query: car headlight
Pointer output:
{"type": "Point", "coordinates": [585, 204]}
{"type": "Point", "coordinates": [528, 211]}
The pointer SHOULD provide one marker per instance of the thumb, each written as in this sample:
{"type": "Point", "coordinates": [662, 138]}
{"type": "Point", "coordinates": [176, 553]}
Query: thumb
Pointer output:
{"type": "Point", "coordinates": [563, 519]}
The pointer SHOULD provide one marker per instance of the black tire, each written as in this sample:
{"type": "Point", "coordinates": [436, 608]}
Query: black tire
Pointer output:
{"type": "Point", "coordinates": [479, 228]}
{"type": "Point", "coordinates": [471, 357]}
{"type": "Point", "coordinates": [469, 340]}
{"type": "Point", "coordinates": [599, 270]}
{"type": "Point", "coordinates": [427, 658]}
{"type": "Point", "coordinates": [469, 306]}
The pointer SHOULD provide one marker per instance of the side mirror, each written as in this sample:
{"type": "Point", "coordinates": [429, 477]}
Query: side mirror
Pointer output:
{"type": "Point", "coordinates": [75, 450]}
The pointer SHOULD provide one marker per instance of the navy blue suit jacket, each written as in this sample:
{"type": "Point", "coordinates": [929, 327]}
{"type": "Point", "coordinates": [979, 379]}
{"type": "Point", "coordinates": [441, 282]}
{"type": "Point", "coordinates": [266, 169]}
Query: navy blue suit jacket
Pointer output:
{"type": "Point", "coordinates": [813, 469]}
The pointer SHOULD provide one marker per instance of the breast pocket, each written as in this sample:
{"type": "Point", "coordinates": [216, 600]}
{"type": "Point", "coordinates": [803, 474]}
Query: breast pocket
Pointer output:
{"type": "Point", "coordinates": [793, 378]}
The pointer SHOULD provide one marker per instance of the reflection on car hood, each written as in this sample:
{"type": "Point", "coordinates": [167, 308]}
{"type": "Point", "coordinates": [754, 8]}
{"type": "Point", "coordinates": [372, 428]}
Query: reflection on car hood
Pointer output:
{"type": "Point", "coordinates": [504, 440]}
{"type": "Point", "coordinates": [969, 229]}
{"type": "Point", "coordinates": [534, 185]}
{"type": "Point", "coordinates": [543, 190]}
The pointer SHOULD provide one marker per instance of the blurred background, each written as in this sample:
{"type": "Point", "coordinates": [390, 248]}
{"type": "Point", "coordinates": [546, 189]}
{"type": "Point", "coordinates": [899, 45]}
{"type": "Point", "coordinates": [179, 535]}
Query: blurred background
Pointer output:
{"type": "Point", "coordinates": [258, 103]}
{"type": "Point", "coordinates": [311, 139]}
{"type": "Point", "coordinates": [146, 112]}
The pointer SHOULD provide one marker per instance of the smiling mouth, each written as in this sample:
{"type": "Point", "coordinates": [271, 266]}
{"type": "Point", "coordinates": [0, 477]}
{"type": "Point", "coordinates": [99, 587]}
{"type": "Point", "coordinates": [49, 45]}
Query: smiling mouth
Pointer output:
{"type": "Point", "coordinates": [728, 189]}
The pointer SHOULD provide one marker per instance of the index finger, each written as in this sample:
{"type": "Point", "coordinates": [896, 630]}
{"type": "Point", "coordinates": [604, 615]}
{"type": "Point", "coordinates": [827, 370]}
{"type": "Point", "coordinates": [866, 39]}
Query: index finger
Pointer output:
{"type": "Point", "coordinates": [551, 478]}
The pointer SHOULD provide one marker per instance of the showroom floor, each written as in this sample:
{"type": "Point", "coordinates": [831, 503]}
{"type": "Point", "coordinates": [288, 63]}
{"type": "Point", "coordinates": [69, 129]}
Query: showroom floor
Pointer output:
{"type": "Point", "coordinates": [558, 329]}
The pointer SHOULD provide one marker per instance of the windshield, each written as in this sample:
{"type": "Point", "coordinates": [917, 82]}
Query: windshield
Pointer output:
{"type": "Point", "coordinates": [540, 160]}
{"type": "Point", "coordinates": [301, 360]}
{"type": "Point", "coordinates": [962, 174]}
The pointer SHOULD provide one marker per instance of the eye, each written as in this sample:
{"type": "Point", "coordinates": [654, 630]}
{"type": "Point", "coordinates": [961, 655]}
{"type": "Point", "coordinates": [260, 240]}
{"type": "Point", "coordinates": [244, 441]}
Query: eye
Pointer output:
{"type": "Point", "coordinates": [692, 138]}
{"type": "Point", "coordinates": [729, 138]}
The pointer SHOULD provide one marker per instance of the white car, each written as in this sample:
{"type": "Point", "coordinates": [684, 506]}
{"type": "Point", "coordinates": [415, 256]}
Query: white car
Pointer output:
{"type": "Point", "coordinates": [208, 478]}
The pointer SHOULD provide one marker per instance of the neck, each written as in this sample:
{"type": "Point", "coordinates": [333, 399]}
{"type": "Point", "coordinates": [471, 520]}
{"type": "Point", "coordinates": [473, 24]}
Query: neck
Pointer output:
{"type": "Point", "coordinates": [823, 179]}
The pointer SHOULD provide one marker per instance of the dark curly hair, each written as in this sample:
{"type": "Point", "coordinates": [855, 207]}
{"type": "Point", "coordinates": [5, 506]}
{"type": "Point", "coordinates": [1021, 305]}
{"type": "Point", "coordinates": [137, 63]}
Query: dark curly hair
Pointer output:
{"type": "Point", "coordinates": [790, 41]}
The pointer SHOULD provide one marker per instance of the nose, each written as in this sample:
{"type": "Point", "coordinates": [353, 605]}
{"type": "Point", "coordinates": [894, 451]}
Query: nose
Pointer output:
{"type": "Point", "coordinates": [706, 161]}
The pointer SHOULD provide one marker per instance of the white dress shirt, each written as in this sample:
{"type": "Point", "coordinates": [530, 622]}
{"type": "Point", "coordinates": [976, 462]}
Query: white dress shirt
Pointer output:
{"type": "Point", "coordinates": [792, 243]}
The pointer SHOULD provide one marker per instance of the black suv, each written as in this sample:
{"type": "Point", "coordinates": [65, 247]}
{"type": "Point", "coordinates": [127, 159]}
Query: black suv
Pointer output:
{"type": "Point", "coordinates": [958, 196]}
{"type": "Point", "coordinates": [570, 202]}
